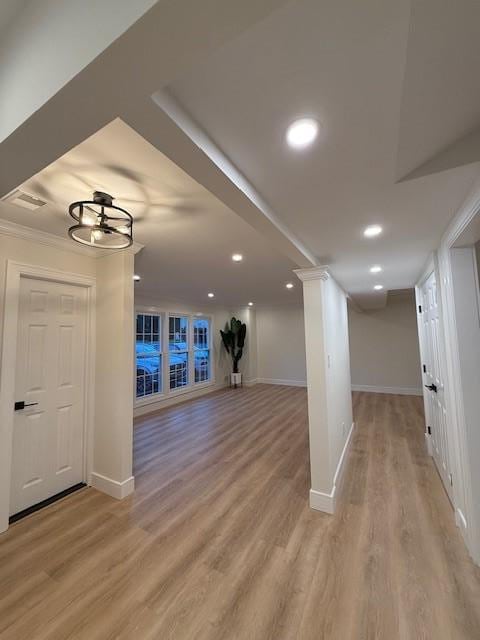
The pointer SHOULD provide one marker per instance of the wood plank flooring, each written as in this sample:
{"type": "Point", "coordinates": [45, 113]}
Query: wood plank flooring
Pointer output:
{"type": "Point", "coordinates": [218, 541]}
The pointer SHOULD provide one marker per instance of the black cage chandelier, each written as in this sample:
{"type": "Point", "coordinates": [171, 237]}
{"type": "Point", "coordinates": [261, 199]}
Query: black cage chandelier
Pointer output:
{"type": "Point", "coordinates": [101, 223]}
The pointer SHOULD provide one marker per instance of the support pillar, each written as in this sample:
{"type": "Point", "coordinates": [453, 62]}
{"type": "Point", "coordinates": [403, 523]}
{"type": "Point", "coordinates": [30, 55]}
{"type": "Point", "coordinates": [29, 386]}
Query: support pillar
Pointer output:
{"type": "Point", "coordinates": [328, 382]}
{"type": "Point", "coordinates": [114, 384]}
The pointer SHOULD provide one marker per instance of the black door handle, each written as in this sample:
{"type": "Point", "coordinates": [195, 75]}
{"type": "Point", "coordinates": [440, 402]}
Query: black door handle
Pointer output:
{"type": "Point", "coordinates": [21, 405]}
{"type": "Point", "coordinates": [432, 387]}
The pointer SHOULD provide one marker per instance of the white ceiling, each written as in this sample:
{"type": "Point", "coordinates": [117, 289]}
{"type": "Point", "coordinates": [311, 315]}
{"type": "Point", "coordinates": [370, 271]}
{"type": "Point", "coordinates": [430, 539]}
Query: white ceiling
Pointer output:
{"type": "Point", "coordinates": [368, 71]}
{"type": "Point", "coordinates": [189, 235]}
{"type": "Point", "coordinates": [392, 83]}
{"type": "Point", "coordinates": [441, 91]}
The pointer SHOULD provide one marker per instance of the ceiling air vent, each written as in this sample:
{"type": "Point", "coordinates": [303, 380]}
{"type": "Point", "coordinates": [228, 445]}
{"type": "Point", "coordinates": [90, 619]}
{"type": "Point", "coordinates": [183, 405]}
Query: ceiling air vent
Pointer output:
{"type": "Point", "coordinates": [24, 200]}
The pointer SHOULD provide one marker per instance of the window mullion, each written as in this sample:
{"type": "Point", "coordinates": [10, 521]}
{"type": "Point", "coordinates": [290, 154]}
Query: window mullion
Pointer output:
{"type": "Point", "coordinates": [166, 353]}
{"type": "Point", "coordinates": [191, 352]}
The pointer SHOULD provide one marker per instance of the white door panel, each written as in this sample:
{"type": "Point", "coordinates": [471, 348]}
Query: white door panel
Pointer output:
{"type": "Point", "coordinates": [433, 377]}
{"type": "Point", "coordinates": [50, 370]}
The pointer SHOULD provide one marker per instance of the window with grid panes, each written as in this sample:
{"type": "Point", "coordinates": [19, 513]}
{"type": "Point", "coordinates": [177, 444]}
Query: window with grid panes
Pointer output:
{"type": "Point", "coordinates": [148, 353]}
{"type": "Point", "coordinates": [178, 351]}
{"type": "Point", "coordinates": [201, 349]}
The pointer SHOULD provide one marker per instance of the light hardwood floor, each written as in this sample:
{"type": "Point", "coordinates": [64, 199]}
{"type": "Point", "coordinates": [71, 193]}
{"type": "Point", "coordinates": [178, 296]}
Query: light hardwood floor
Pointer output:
{"type": "Point", "coordinates": [218, 541]}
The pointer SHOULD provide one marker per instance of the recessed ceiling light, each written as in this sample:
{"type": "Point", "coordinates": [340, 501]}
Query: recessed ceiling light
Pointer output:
{"type": "Point", "coordinates": [375, 269]}
{"type": "Point", "coordinates": [136, 278]}
{"type": "Point", "coordinates": [250, 304]}
{"type": "Point", "coordinates": [289, 285]}
{"type": "Point", "coordinates": [372, 231]}
{"type": "Point", "coordinates": [378, 287]}
{"type": "Point", "coordinates": [211, 295]}
{"type": "Point", "coordinates": [237, 257]}
{"type": "Point", "coordinates": [302, 133]}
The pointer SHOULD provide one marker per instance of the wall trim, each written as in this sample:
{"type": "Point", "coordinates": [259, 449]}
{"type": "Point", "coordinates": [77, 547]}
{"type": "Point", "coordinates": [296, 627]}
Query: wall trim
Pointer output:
{"type": "Point", "coordinates": [113, 488]}
{"type": "Point", "coordinates": [428, 442]}
{"type": "Point", "coordinates": [322, 501]}
{"type": "Point", "coordinates": [460, 520]}
{"type": "Point", "coordinates": [12, 229]}
{"type": "Point", "coordinates": [287, 383]}
{"type": "Point", "coordinates": [402, 391]}
{"type": "Point", "coordinates": [459, 455]}
{"type": "Point", "coordinates": [327, 501]}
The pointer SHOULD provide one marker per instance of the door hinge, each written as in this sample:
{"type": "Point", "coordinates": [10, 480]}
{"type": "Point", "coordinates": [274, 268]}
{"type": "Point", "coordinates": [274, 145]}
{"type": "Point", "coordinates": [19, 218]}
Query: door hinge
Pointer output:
{"type": "Point", "coordinates": [424, 368]}
{"type": "Point", "coordinates": [419, 308]}
{"type": "Point", "coordinates": [429, 431]}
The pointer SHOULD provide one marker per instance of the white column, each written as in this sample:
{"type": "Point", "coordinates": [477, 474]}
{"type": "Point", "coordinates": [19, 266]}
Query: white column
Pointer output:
{"type": "Point", "coordinates": [328, 382]}
{"type": "Point", "coordinates": [114, 383]}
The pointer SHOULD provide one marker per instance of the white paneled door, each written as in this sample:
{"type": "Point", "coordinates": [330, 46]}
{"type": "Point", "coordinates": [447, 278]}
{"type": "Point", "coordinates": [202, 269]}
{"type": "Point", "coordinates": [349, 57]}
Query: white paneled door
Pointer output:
{"type": "Point", "coordinates": [434, 381]}
{"type": "Point", "coordinates": [48, 435]}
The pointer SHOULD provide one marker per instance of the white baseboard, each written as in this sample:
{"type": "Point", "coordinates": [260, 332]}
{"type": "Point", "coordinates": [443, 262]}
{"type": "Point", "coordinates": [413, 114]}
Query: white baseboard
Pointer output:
{"type": "Point", "coordinates": [460, 520]}
{"type": "Point", "coordinates": [250, 383]}
{"type": "Point", "coordinates": [428, 442]}
{"type": "Point", "coordinates": [287, 383]}
{"type": "Point", "coordinates": [403, 391]}
{"type": "Point", "coordinates": [326, 501]}
{"type": "Point", "coordinates": [118, 490]}
{"type": "Point", "coordinates": [322, 501]}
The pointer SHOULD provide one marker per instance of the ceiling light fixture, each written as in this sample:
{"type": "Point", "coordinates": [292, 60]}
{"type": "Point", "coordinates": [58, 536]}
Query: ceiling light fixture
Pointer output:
{"type": "Point", "coordinates": [101, 223]}
{"type": "Point", "coordinates": [250, 304]}
{"type": "Point", "coordinates": [375, 269]}
{"type": "Point", "coordinates": [301, 133]}
{"type": "Point", "coordinates": [136, 278]}
{"type": "Point", "coordinates": [289, 285]}
{"type": "Point", "coordinates": [372, 231]}
{"type": "Point", "coordinates": [237, 257]}
{"type": "Point", "coordinates": [378, 287]}
{"type": "Point", "coordinates": [211, 295]}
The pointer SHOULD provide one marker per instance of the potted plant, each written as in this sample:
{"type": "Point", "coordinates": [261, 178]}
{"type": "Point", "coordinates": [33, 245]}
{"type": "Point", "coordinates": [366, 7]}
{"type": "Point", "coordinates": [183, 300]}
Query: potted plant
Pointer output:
{"type": "Point", "coordinates": [233, 339]}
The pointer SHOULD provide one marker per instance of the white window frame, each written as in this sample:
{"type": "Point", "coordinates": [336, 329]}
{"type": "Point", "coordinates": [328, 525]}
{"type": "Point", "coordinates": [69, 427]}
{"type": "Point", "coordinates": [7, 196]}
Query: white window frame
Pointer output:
{"type": "Point", "coordinates": [207, 348]}
{"type": "Point", "coordinates": [145, 398]}
{"type": "Point", "coordinates": [188, 351]}
{"type": "Point", "coordinates": [192, 386]}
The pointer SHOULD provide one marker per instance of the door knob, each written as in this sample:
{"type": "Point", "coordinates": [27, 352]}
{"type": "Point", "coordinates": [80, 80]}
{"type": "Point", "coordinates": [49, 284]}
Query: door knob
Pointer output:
{"type": "Point", "coordinates": [432, 387]}
{"type": "Point", "coordinates": [21, 405]}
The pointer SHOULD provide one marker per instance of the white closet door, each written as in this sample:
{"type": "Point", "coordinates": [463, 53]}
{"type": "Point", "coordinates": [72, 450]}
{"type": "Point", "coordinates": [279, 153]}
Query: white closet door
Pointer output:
{"type": "Point", "coordinates": [48, 437]}
{"type": "Point", "coordinates": [434, 380]}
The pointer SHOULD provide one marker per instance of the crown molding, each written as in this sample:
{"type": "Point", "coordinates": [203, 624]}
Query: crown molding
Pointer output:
{"type": "Point", "coordinates": [313, 273]}
{"type": "Point", "coordinates": [14, 230]}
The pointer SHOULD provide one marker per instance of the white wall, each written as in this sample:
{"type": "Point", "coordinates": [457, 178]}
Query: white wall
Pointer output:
{"type": "Point", "coordinates": [339, 396]}
{"type": "Point", "coordinates": [248, 364]}
{"type": "Point", "coordinates": [384, 347]}
{"type": "Point", "coordinates": [467, 316]}
{"type": "Point", "coordinates": [281, 345]}
{"type": "Point", "coordinates": [113, 438]}
{"type": "Point", "coordinates": [113, 424]}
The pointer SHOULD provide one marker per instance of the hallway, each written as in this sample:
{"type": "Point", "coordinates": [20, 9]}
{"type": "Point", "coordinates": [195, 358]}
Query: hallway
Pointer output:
{"type": "Point", "coordinates": [218, 541]}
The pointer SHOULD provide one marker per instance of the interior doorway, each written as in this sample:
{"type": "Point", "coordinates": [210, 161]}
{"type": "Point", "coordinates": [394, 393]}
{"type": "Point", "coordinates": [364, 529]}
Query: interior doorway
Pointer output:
{"type": "Point", "coordinates": [433, 376]}
{"type": "Point", "coordinates": [48, 430]}
{"type": "Point", "coordinates": [48, 386]}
